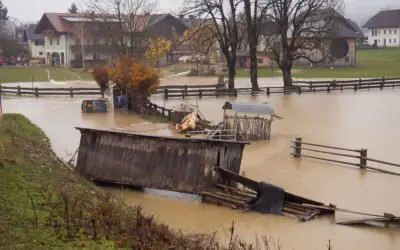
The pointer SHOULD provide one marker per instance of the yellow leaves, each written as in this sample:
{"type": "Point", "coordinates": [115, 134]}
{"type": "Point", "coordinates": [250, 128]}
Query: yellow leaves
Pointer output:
{"type": "Point", "coordinates": [200, 39]}
{"type": "Point", "coordinates": [157, 48]}
{"type": "Point", "coordinates": [133, 74]}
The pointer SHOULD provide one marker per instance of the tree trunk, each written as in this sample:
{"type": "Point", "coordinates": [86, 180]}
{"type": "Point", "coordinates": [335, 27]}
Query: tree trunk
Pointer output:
{"type": "Point", "coordinates": [253, 68]}
{"type": "Point", "coordinates": [231, 75]}
{"type": "Point", "coordinates": [287, 77]}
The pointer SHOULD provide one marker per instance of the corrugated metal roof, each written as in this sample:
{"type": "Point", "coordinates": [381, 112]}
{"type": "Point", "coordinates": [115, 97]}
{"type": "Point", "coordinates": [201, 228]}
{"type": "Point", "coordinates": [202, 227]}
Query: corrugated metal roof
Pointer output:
{"type": "Point", "coordinates": [250, 108]}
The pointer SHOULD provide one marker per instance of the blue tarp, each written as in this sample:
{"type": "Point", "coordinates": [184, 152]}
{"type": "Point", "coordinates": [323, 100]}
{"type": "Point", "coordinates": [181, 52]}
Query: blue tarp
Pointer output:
{"type": "Point", "coordinates": [250, 108]}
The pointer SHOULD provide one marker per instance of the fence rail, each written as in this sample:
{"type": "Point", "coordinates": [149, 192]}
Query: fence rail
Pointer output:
{"type": "Point", "coordinates": [360, 154]}
{"type": "Point", "coordinates": [50, 91]}
{"type": "Point", "coordinates": [299, 87]}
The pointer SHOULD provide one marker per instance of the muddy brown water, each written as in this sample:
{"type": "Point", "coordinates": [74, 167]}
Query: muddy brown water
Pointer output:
{"type": "Point", "coordinates": [356, 120]}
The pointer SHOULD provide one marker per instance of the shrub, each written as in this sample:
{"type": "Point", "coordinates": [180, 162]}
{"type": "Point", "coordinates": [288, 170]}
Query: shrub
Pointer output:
{"type": "Point", "coordinates": [100, 74]}
{"type": "Point", "coordinates": [141, 78]}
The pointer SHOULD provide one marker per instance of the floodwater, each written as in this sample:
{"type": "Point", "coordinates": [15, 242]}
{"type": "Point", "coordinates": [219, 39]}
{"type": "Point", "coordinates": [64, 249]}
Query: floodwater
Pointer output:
{"type": "Point", "coordinates": [367, 119]}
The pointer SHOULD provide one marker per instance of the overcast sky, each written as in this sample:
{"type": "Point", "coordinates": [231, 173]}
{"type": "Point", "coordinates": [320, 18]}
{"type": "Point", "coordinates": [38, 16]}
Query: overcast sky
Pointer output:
{"type": "Point", "coordinates": [32, 10]}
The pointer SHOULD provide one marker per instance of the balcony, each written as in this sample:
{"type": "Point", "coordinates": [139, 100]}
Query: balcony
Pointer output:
{"type": "Point", "coordinates": [103, 48]}
{"type": "Point", "coordinates": [100, 48]}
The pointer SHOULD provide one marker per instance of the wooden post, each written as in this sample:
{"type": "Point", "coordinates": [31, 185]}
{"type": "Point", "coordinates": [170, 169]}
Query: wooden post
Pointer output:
{"type": "Point", "coordinates": [299, 90]}
{"type": "Point", "coordinates": [186, 89]}
{"type": "Point", "coordinates": [71, 92]}
{"type": "Point", "coordinates": [363, 156]}
{"type": "Point", "coordinates": [268, 91]}
{"type": "Point", "coordinates": [169, 115]}
{"type": "Point", "coordinates": [37, 92]}
{"type": "Point", "coordinates": [355, 86]}
{"type": "Point", "coordinates": [311, 84]}
{"type": "Point", "coordinates": [166, 94]}
{"type": "Point", "coordinates": [328, 89]}
{"type": "Point", "coordinates": [383, 83]}
{"type": "Point", "coordinates": [360, 83]}
{"type": "Point", "coordinates": [235, 92]}
{"type": "Point", "coordinates": [200, 93]}
{"type": "Point", "coordinates": [297, 147]}
{"type": "Point", "coordinates": [18, 90]}
{"type": "Point", "coordinates": [183, 94]}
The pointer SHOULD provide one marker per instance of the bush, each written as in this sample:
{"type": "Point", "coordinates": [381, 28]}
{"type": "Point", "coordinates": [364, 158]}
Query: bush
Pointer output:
{"type": "Point", "coordinates": [100, 74]}
{"type": "Point", "coordinates": [141, 78]}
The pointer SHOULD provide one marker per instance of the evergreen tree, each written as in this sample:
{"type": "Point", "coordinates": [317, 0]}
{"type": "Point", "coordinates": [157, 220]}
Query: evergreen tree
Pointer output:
{"type": "Point", "coordinates": [73, 9]}
{"type": "Point", "coordinates": [3, 13]}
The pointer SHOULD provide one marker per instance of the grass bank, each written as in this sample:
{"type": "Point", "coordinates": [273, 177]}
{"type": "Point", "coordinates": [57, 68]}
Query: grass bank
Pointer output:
{"type": "Point", "coordinates": [41, 74]}
{"type": "Point", "coordinates": [370, 64]}
{"type": "Point", "coordinates": [44, 205]}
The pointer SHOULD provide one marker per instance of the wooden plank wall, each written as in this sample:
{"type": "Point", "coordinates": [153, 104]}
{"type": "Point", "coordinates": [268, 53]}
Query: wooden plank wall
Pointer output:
{"type": "Point", "coordinates": [175, 164]}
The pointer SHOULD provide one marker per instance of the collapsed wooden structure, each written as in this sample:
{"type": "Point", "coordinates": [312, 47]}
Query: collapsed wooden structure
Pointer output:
{"type": "Point", "coordinates": [169, 163]}
{"type": "Point", "coordinates": [262, 197]}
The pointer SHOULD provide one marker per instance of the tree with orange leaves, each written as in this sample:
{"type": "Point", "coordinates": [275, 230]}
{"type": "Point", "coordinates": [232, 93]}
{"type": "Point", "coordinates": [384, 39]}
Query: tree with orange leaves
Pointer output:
{"type": "Point", "coordinates": [140, 78]}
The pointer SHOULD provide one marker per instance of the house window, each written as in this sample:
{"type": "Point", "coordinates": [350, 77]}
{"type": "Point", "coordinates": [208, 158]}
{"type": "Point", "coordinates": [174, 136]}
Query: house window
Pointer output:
{"type": "Point", "coordinates": [390, 40]}
{"type": "Point", "coordinates": [40, 53]}
{"type": "Point", "coordinates": [51, 41]}
{"type": "Point", "coordinates": [58, 41]}
{"type": "Point", "coordinates": [260, 61]}
{"type": "Point", "coordinates": [384, 32]}
{"type": "Point", "coordinates": [395, 31]}
{"type": "Point", "coordinates": [390, 31]}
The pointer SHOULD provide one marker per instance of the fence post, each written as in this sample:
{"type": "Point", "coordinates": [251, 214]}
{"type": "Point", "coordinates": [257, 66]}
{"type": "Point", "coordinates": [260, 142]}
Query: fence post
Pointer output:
{"type": "Point", "coordinates": [186, 89]}
{"type": "Point", "coordinates": [311, 84]}
{"type": "Point", "coordinates": [166, 94]}
{"type": "Point", "coordinates": [183, 94]}
{"type": "Point", "coordinates": [383, 83]}
{"type": "Point", "coordinates": [360, 83]}
{"type": "Point", "coordinates": [37, 92]}
{"type": "Point", "coordinates": [235, 92]}
{"type": "Point", "coordinates": [268, 91]}
{"type": "Point", "coordinates": [169, 115]}
{"type": "Point", "coordinates": [18, 90]}
{"type": "Point", "coordinates": [299, 90]}
{"type": "Point", "coordinates": [355, 86]}
{"type": "Point", "coordinates": [200, 93]}
{"type": "Point", "coordinates": [71, 92]}
{"type": "Point", "coordinates": [363, 158]}
{"type": "Point", "coordinates": [297, 147]}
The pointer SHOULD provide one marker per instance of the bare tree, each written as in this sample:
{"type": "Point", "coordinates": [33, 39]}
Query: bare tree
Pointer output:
{"type": "Point", "coordinates": [122, 21]}
{"type": "Point", "coordinates": [255, 13]}
{"type": "Point", "coordinates": [223, 15]}
{"type": "Point", "coordinates": [81, 31]}
{"type": "Point", "coordinates": [300, 30]}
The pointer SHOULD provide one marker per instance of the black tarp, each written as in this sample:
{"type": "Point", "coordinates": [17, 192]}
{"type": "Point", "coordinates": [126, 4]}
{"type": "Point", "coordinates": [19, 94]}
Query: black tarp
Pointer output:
{"type": "Point", "coordinates": [269, 199]}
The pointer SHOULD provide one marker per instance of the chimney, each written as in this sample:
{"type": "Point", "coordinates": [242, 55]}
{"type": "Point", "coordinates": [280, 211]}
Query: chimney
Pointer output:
{"type": "Point", "coordinates": [181, 16]}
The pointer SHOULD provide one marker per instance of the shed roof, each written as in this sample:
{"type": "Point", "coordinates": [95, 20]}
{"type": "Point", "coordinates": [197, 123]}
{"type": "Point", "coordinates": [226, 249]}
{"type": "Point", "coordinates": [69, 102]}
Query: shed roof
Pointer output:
{"type": "Point", "coordinates": [250, 108]}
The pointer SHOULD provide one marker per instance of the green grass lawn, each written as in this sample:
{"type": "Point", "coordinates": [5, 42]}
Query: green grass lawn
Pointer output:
{"type": "Point", "coordinates": [39, 74]}
{"type": "Point", "coordinates": [175, 69]}
{"type": "Point", "coordinates": [370, 64]}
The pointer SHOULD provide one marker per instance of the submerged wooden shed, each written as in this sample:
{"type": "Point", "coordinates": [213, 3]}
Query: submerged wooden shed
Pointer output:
{"type": "Point", "coordinates": [169, 163]}
{"type": "Point", "coordinates": [250, 121]}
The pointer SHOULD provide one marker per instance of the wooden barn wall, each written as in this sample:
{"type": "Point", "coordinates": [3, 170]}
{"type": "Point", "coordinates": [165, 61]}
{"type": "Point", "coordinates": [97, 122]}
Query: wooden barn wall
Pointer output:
{"type": "Point", "coordinates": [183, 165]}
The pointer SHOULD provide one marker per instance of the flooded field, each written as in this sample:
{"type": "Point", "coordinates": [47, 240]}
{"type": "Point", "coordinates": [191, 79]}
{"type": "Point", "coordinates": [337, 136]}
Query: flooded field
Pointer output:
{"type": "Point", "coordinates": [355, 120]}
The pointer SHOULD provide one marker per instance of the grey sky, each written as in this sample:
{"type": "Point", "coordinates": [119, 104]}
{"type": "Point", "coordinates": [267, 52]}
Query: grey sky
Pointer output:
{"type": "Point", "coordinates": [32, 10]}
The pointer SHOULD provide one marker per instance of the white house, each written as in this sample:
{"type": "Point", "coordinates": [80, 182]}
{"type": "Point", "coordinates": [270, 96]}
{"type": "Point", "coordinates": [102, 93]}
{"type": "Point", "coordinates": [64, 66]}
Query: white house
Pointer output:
{"type": "Point", "coordinates": [73, 39]}
{"type": "Point", "coordinates": [35, 42]}
{"type": "Point", "coordinates": [384, 29]}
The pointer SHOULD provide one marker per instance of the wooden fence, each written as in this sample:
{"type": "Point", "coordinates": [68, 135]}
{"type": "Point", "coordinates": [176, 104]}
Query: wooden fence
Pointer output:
{"type": "Point", "coordinates": [299, 87]}
{"type": "Point", "coordinates": [19, 91]}
{"type": "Point", "coordinates": [345, 154]}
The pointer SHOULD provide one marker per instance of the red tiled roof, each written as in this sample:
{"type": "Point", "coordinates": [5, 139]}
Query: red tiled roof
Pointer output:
{"type": "Point", "coordinates": [55, 19]}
